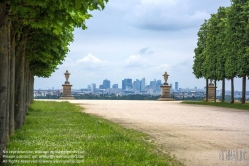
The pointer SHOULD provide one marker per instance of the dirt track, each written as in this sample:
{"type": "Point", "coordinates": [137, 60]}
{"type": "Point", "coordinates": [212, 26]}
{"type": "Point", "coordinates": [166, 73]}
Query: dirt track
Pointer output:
{"type": "Point", "coordinates": [196, 135]}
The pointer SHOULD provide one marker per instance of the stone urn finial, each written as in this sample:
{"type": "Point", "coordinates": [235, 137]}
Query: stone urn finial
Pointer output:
{"type": "Point", "coordinates": [67, 94]}
{"type": "Point", "coordinates": [67, 77]}
{"type": "Point", "coordinates": [166, 78]}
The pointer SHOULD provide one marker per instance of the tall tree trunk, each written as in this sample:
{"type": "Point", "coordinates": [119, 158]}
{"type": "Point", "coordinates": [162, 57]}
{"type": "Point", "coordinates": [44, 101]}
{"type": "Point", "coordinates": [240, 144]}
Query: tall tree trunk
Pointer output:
{"type": "Point", "coordinates": [31, 87]}
{"type": "Point", "coordinates": [8, 82]}
{"type": "Point", "coordinates": [206, 90]}
{"type": "Point", "coordinates": [3, 76]}
{"type": "Point", "coordinates": [232, 90]}
{"type": "Point", "coordinates": [243, 99]}
{"type": "Point", "coordinates": [12, 89]}
{"type": "Point", "coordinates": [26, 87]}
{"type": "Point", "coordinates": [223, 90]}
{"type": "Point", "coordinates": [215, 90]}
{"type": "Point", "coordinates": [19, 84]}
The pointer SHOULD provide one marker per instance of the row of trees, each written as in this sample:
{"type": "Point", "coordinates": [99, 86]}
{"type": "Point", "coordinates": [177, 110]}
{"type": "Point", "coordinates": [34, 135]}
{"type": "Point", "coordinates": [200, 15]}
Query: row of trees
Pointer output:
{"type": "Point", "coordinates": [34, 39]}
{"type": "Point", "coordinates": [222, 49]}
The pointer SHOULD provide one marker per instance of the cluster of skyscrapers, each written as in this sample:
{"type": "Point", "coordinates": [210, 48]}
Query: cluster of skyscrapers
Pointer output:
{"type": "Point", "coordinates": [138, 85]}
{"type": "Point", "coordinates": [129, 85]}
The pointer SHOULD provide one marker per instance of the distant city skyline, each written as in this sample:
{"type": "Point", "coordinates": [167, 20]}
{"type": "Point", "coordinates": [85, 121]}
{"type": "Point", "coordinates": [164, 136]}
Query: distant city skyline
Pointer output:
{"type": "Point", "coordinates": [119, 84]}
{"type": "Point", "coordinates": [174, 85]}
{"type": "Point", "coordinates": [127, 83]}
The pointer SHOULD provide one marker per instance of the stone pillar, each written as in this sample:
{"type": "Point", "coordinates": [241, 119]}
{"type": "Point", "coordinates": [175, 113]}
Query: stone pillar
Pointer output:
{"type": "Point", "coordinates": [165, 90]}
{"type": "Point", "coordinates": [211, 91]}
{"type": "Point", "coordinates": [67, 95]}
{"type": "Point", "coordinates": [165, 93]}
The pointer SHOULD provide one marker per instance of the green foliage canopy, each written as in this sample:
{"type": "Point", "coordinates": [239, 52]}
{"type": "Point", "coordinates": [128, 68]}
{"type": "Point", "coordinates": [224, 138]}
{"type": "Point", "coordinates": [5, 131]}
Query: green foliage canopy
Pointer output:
{"type": "Point", "coordinates": [51, 25]}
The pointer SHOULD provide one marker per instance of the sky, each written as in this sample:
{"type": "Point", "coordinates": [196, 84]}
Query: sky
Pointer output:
{"type": "Point", "coordinates": [137, 39]}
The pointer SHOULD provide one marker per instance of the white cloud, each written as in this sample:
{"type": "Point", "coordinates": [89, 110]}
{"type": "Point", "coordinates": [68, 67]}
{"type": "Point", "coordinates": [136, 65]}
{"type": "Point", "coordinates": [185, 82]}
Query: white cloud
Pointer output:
{"type": "Point", "coordinates": [137, 61]}
{"type": "Point", "coordinates": [91, 62]}
{"type": "Point", "coordinates": [91, 59]}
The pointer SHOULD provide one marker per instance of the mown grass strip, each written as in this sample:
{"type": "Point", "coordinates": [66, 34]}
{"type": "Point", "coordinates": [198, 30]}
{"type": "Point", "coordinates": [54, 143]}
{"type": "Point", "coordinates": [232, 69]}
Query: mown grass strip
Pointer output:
{"type": "Point", "coordinates": [220, 104]}
{"type": "Point", "coordinates": [57, 133]}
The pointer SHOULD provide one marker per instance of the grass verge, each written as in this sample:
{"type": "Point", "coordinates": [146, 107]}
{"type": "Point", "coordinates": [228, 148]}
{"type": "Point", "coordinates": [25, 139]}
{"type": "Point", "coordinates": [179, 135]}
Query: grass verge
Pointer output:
{"type": "Point", "coordinates": [220, 104]}
{"type": "Point", "coordinates": [57, 133]}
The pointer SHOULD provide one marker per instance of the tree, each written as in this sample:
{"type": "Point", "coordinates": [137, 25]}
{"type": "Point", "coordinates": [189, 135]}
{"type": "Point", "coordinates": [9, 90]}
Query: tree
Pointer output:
{"type": "Point", "coordinates": [211, 50]}
{"type": "Point", "coordinates": [215, 49]}
{"type": "Point", "coordinates": [44, 57]}
{"type": "Point", "coordinates": [221, 46]}
{"type": "Point", "coordinates": [231, 51]}
{"type": "Point", "coordinates": [238, 30]}
{"type": "Point", "coordinates": [199, 68]}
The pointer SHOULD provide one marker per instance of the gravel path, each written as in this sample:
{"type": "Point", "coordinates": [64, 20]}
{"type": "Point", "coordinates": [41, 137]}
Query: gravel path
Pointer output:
{"type": "Point", "coordinates": [196, 135]}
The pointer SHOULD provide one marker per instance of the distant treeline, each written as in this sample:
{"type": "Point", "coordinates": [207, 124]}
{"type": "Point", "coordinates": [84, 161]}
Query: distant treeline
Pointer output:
{"type": "Point", "coordinates": [117, 97]}
{"type": "Point", "coordinates": [104, 97]}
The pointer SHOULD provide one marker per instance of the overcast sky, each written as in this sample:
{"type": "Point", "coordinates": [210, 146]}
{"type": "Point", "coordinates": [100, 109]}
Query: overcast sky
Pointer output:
{"type": "Point", "coordinates": [137, 39]}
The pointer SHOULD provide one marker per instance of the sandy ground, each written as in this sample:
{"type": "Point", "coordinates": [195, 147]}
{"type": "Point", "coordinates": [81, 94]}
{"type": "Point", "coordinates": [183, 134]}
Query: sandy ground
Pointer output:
{"type": "Point", "coordinates": [196, 135]}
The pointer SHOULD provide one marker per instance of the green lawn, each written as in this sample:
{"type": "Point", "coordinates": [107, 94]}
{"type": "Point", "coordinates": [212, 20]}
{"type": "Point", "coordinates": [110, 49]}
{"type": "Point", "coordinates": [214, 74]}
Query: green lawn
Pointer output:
{"type": "Point", "coordinates": [57, 133]}
{"type": "Point", "coordinates": [220, 104]}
